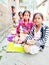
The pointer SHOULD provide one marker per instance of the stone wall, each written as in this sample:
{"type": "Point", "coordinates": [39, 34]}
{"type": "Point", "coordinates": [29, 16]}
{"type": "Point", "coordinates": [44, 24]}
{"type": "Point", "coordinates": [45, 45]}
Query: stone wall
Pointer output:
{"type": "Point", "coordinates": [5, 21]}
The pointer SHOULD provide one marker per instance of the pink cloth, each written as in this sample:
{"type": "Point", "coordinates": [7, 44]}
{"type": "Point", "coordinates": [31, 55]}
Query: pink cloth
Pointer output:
{"type": "Point", "coordinates": [25, 27]}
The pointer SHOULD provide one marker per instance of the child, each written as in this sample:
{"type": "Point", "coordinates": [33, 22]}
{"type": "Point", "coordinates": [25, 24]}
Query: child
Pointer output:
{"type": "Point", "coordinates": [13, 15]}
{"type": "Point", "coordinates": [25, 25]}
{"type": "Point", "coordinates": [13, 11]}
{"type": "Point", "coordinates": [20, 14]}
{"type": "Point", "coordinates": [38, 35]}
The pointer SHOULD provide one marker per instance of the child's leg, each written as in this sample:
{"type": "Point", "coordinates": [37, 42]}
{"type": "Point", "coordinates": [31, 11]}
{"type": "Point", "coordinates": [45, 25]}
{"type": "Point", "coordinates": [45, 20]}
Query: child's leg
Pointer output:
{"type": "Point", "coordinates": [32, 49]}
{"type": "Point", "coordinates": [27, 48]}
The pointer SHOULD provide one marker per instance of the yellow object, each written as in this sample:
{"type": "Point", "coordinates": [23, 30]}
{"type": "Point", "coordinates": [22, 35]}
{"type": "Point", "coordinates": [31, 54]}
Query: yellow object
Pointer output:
{"type": "Point", "coordinates": [12, 48]}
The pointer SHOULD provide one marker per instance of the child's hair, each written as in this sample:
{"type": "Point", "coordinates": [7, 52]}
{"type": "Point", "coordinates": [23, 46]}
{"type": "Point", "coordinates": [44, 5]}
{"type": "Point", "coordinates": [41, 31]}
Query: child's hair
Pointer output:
{"type": "Point", "coordinates": [12, 7]}
{"type": "Point", "coordinates": [39, 14]}
{"type": "Point", "coordinates": [19, 13]}
{"type": "Point", "coordinates": [26, 11]}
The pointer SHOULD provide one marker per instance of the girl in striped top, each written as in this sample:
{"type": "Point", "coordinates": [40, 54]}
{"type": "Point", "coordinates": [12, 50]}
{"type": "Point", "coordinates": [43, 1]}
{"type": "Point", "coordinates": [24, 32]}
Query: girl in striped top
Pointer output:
{"type": "Point", "coordinates": [38, 35]}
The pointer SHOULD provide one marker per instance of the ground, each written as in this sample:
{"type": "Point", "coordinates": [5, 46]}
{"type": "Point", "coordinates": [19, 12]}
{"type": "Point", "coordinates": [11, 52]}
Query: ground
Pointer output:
{"type": "Point", "coordinates": [42, 58]}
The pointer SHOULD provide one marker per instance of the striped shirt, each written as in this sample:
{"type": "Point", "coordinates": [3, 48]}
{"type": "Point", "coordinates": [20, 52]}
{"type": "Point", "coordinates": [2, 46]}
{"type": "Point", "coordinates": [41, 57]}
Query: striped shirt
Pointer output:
{"type": "Point", "coordinates": [44, 35]}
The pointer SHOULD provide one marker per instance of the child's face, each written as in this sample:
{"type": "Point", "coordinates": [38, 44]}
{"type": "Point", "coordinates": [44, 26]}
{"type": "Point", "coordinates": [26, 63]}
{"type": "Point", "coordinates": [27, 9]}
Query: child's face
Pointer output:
{"type": "Point", "coordinates": [26, 16]}
{"type": "Point", "coordinates": [20, 16]}
{"type": "Point", "coordinates": [38, 19]}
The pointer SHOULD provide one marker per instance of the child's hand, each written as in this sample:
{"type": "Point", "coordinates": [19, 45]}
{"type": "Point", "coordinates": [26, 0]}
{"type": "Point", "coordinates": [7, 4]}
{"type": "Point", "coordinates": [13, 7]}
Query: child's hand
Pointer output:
{"type": "Point", "coordinates": [26, 32]}
{"type": "Point", "coordinates": [19, 41]}
{"type": "Point", "coordinates": [30, 42]}
{"type": "Point", "coordinates": [14, 35]}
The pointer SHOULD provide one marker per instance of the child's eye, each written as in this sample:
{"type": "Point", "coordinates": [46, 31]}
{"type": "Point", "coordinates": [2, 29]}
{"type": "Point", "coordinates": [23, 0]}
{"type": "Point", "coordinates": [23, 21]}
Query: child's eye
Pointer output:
{"type": "Point", "coordinates": [38, 18]}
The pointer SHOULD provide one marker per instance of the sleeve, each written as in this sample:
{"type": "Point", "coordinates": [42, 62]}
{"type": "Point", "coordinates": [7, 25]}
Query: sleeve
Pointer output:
{"type": "Point", "coordinates": [43, 40]}
{"type": "Point", "coordinates": [31, 26]}
{"type": "Point", "coordinates": [18, 28]}
{"type": "Point", "coordinates": [30, 36]}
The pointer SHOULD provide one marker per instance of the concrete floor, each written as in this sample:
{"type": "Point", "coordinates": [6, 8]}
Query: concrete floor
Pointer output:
{"type": "Point", "coordinates": [42, 58]}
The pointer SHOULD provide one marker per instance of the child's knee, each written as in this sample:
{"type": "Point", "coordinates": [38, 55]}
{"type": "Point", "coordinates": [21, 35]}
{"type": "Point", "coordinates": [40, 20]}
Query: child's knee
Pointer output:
{"type": "Point", "coordinates": [27, 48]}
